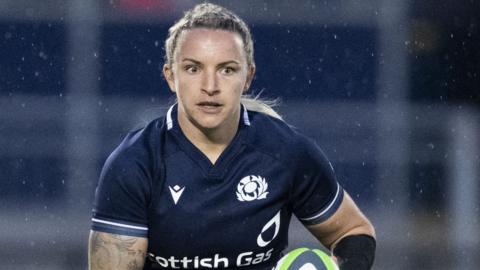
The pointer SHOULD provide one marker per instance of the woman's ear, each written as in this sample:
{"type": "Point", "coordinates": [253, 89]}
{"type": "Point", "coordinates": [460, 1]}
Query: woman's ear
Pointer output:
{"type": "Point", "coordinates": [168, 74]}
{"type": "Point", "coordinates": [250, 76]}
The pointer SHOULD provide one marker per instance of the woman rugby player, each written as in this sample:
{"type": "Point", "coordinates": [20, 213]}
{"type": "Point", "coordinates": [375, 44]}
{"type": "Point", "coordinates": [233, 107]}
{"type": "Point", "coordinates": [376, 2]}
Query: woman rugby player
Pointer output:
{"type": "Point", "coordinates": [213, 184]}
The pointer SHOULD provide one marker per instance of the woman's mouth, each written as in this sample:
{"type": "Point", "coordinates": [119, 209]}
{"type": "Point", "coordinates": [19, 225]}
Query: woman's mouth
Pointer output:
{"type": "Point", "coordinates": [210, 107]}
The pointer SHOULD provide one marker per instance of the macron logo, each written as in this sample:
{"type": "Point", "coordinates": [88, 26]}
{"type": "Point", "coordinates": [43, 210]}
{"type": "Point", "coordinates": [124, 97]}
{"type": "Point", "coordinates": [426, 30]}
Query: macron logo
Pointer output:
{"type": "Point", "coordinates": [176, 192]}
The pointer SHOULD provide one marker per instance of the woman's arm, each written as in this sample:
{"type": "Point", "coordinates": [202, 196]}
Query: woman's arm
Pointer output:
{"type": "Point", "coordinates": [347, 220]}
{"type": "Point", "coordinates": [350, 231]}
{"type": "Point", "coordinates": [114, 251]}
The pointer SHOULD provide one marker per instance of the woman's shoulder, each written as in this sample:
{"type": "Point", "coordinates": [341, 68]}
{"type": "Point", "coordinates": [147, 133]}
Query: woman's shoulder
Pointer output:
{"type": "Point", "coordinates": [140, 144]}
{"type": "Point", "coordinates": [277, 136]}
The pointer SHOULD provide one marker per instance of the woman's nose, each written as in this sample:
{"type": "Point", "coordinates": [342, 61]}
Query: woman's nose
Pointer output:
{"type": "Point", "coordinates": [210, 83]}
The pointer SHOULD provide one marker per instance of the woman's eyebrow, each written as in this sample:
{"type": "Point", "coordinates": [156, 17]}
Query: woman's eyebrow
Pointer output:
{"type": "Point", "coordinates": [191, 60]}
{"type": "Point", "coordinates": [228, 62]}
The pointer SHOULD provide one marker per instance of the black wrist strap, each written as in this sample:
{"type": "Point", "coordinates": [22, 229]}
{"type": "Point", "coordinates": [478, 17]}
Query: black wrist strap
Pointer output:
{"type": "Point", "coordinates": [355, 252]}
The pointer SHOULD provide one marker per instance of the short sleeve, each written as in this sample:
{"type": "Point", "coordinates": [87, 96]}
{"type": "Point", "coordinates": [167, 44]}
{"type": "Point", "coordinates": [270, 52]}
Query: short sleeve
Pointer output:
{"type": "Point", "coordinates": [316, 193]}
{"type": "Point", "coordinates": [122, 195]}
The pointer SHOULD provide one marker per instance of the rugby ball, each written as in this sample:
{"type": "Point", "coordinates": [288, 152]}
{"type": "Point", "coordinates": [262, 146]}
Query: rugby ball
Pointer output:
{"type": "Point", "coordinates": [306, 259]}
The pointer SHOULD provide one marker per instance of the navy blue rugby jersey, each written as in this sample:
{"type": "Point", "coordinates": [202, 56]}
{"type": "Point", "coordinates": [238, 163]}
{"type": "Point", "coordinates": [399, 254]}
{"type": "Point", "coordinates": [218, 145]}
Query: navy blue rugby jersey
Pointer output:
{"type": "Point", "coordinates": [233, 214]}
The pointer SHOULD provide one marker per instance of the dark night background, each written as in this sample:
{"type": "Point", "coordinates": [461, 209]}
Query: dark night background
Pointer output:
{"type": "Point", "coordinates": [389, 89]}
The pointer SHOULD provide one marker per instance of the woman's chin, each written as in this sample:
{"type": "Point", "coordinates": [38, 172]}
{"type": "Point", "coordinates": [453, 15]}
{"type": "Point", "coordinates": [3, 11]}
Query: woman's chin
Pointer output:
{"type": "Point", "coordinates": [208, 124]}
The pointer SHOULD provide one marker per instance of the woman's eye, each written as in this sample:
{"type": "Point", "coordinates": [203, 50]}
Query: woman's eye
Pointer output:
{"type": "Point", "coordinates": [191, 69]}
{"type": "Point", "coordinates": [228, 70]}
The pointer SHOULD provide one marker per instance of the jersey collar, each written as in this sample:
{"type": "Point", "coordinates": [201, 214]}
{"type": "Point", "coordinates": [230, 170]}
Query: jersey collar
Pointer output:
{"type": "Point", "coordinates": [218, 170]}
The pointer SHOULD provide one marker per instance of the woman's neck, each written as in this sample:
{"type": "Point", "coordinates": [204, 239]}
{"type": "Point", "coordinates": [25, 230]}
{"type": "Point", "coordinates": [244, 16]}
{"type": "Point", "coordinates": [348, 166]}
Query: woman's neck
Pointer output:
{"type": "Point", "coordinates": [211, 142]}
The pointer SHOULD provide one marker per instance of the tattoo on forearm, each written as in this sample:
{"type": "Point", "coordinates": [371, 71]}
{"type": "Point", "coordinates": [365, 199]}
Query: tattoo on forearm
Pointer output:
{"type": "Point", "coordinates": [110, 251]}
{"type": "Point", "coordinates": [133, 265]}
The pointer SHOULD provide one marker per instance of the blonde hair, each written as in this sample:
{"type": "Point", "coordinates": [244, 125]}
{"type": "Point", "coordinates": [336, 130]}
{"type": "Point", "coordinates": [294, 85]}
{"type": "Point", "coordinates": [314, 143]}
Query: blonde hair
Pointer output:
{"type": "Point", "coordinates": [265, 106]}
{"type": "Point", "coordinates": [212, 16]}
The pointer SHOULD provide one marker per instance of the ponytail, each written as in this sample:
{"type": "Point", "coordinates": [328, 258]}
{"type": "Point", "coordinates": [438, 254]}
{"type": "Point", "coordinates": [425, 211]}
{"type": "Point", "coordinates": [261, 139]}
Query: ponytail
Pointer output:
{"type": "Point", "coordinates": [256, 104]}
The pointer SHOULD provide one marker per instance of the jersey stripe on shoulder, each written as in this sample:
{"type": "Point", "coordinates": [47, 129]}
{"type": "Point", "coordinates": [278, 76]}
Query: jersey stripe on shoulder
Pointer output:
{"type": "Point", "coordinates": [122, 228]}
{"type": "Point", "coordinates": [326, 212]}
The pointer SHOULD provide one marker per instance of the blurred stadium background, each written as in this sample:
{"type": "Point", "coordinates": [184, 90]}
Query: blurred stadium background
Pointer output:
{"type": "Point", "coordinates": [389, 88]}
